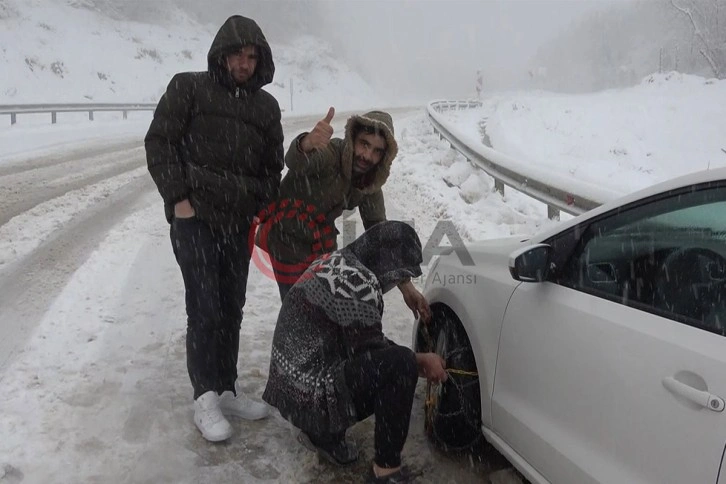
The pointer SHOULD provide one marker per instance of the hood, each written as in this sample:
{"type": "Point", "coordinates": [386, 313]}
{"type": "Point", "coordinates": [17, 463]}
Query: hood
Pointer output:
{"type": "Point", "coordinates": [391, 250]}
{"type": "Point", "coordinates": [237, 32]}
{"type": "Point", "coordinates": [383, 122]}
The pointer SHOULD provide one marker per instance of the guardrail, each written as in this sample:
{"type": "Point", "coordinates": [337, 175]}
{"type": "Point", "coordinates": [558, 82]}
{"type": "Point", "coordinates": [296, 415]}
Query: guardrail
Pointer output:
{"type": "Point", "coordinates": [14, 109]}
{"type": "Point", "coordinates": [559, 193]}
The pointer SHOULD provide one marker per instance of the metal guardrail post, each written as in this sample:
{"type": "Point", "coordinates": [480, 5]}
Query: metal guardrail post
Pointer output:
{"type": "Point", "coordinates": [53, 117]}
{"type": "Point", "coordinates": [125, 114]}
{"type": "Point", "coordinates": [499, 186]}
{"type": "Point", "coordinates": [553, 213]}
{"type": "Point", "coordinates": [13, 118]}
{"type": "Point", "coordinates": [90, 115]}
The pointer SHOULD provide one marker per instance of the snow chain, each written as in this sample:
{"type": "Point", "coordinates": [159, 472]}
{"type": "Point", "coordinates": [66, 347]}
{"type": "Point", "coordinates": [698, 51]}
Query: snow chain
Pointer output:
{"type": "Point", "coordinates": [432, 388]}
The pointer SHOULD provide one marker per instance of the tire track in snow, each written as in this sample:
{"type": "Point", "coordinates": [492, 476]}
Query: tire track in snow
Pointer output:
{"type": "Point", "coordinates": [28, 286]}
{"type": "Point", "coordinates": [16, 164]}
{"type": "Point", "coordinates": [22, 190]}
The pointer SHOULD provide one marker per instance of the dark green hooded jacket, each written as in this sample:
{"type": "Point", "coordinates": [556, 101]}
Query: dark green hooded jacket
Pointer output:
{"type": "Point", "coordinates": [319, 186]}
{"type": "Point", "coordinates": [217, 143]}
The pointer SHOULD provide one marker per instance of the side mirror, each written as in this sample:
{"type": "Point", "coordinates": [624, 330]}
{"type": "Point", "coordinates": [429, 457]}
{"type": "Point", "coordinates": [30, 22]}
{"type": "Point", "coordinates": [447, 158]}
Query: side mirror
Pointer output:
{"type": "Point", "coordinates": [530, 264]}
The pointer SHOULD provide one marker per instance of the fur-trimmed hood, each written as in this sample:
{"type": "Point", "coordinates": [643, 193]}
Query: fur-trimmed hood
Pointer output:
{"type": "Point", "coordinates": [383, 122]}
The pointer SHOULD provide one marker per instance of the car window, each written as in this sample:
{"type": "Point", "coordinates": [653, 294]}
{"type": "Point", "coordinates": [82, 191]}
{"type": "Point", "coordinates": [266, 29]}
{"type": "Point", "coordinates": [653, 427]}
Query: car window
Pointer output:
{"type": "Point", "coordinates": [666, 255]}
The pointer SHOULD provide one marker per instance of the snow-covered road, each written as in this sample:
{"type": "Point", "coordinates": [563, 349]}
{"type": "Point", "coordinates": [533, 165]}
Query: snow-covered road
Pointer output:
{"type": "Point", "coordinates": [92, 353]}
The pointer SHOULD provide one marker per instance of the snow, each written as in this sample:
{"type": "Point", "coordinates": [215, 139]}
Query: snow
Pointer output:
{"type": "Point", "coordinates": [23, 234]}
{"type": "Point", "coordinates": [133, 62]}
{"type": "Point", "coordinates": [37, 137]}
{"type": "Point", "coordinates": [612, 142]}
{"type": "Point", "coordinates": [98, 392]}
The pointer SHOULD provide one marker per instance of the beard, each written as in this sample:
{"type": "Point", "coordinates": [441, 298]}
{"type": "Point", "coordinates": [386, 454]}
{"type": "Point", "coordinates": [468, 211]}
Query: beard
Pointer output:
{"type": "Point", "coordinates": [361, 165]}
{"type": "Point", "coordinates": [240, 75]}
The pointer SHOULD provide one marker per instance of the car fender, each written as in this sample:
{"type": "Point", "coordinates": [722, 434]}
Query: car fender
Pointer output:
{"type": "Point", "coordinates": [478, 295]}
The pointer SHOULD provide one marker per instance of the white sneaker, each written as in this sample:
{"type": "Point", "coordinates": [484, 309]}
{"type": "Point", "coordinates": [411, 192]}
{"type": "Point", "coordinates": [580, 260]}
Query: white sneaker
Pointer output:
{"type": "Point", "coordinates": [209, 419]}
{"type": "Point", "coordinates": [242, 406]}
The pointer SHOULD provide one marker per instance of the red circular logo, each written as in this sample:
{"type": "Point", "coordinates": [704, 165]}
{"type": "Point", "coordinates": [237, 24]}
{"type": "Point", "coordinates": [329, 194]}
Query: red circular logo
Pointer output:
{"type": "Point", "coordinates": [276, 212]}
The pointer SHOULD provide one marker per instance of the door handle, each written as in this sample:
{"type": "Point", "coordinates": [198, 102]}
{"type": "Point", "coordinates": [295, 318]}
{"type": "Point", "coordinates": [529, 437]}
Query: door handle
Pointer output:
{"type": "Point", "coordinates": [704, 399]}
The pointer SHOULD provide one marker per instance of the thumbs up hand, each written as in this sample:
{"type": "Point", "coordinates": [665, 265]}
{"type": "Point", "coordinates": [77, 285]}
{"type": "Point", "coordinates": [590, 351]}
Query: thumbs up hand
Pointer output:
{"type": "Point", "coordinates": [320, 136]}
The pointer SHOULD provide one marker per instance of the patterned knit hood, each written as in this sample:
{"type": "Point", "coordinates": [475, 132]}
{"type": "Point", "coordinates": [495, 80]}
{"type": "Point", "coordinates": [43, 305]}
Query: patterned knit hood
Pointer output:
{"type": "Point", "coordinates": [331, 314]}
{"type": "Point", "coordinates": [391, 250]}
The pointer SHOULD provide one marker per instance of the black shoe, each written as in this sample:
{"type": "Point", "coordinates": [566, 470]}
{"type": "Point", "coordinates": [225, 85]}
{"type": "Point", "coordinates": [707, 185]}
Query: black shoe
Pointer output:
{"type": "Point", "coordinates": [337, 452]}
{"type": "Point", "coordinates": [403, 475]}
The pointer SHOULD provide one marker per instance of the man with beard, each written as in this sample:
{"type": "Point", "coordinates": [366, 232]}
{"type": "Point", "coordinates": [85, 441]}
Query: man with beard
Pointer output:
{"type": "Point", "coordinates": [332, 365]}
{"type": "Point", "coordinates": [214, 150]}
{"type": "Point", "coordinates": [327, 176]}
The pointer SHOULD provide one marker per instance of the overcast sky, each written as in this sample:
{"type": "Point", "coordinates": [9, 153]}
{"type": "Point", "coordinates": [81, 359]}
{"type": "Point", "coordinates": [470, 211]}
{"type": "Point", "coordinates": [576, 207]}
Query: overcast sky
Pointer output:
{"type": "Point", "coordinates": [420, 48]}
{"type": "Point", "coordinates": [440, 44]}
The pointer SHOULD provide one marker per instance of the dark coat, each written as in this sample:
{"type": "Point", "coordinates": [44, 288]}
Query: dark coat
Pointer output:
{"type": "Point", "coordinates": [330, 315]}
{"type": "Point", "coordinates": [322, 182]}
{"type": "Point", "coordinates": [217, 143]}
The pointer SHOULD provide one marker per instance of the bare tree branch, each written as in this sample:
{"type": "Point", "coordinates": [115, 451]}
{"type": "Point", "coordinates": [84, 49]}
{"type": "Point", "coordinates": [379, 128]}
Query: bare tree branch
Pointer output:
{"type": "Point", "coordinates": [698, 31]}
{"type": "Point", "coordinates": [712, 63]}
{"type": "Point", "coordinates": [688, 13]}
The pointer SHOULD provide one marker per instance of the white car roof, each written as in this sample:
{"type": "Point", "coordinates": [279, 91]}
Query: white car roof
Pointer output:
{"type": "Point", "coordinates": [695, 178]}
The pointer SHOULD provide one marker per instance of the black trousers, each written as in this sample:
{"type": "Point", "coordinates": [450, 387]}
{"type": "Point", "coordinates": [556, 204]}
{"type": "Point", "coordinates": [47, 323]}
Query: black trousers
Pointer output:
{"type": "Point", "coordinates": [382, 383]}
{"type": "Point", "coordinates": [214, 266]}
{"type": "Point", "coordinates": [284, 288]}
{"type": "Point", "coordinates": [285, 280]}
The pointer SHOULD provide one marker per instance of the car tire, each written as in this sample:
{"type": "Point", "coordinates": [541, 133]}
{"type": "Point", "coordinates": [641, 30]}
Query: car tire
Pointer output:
{"type": "Point", "coordinates": [452, 408]}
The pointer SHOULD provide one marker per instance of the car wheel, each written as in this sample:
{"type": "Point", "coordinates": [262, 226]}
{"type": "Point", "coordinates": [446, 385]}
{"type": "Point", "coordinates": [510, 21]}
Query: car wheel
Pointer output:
{"type": "Point", "coordinates": [452, 408]}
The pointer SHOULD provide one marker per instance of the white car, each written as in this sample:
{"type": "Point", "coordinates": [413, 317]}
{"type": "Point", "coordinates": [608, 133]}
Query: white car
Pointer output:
{"type": "Point", "coordinates": [593, 352]}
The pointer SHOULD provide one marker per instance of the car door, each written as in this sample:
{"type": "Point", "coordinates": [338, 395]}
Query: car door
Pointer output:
{"type": "Point", "coordinates": [614, 369]}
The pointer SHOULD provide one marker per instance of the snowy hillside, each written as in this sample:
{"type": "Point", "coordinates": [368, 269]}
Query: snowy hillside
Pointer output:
{"type": "Point", "coordinates": [620, 139]}
{"type": "Point", "coordinates": [54, 52]}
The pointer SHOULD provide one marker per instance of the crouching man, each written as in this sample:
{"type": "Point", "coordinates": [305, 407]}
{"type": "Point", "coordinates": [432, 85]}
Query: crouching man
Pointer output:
{"type": "Point", "coordinates": [331, 364]}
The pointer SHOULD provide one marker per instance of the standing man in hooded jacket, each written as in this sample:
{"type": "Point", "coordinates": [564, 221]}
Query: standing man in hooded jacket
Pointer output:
{"type": "Point", "coordinates": [214, 150]}
{"type": "Point", "coordinates": [325, 177]}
